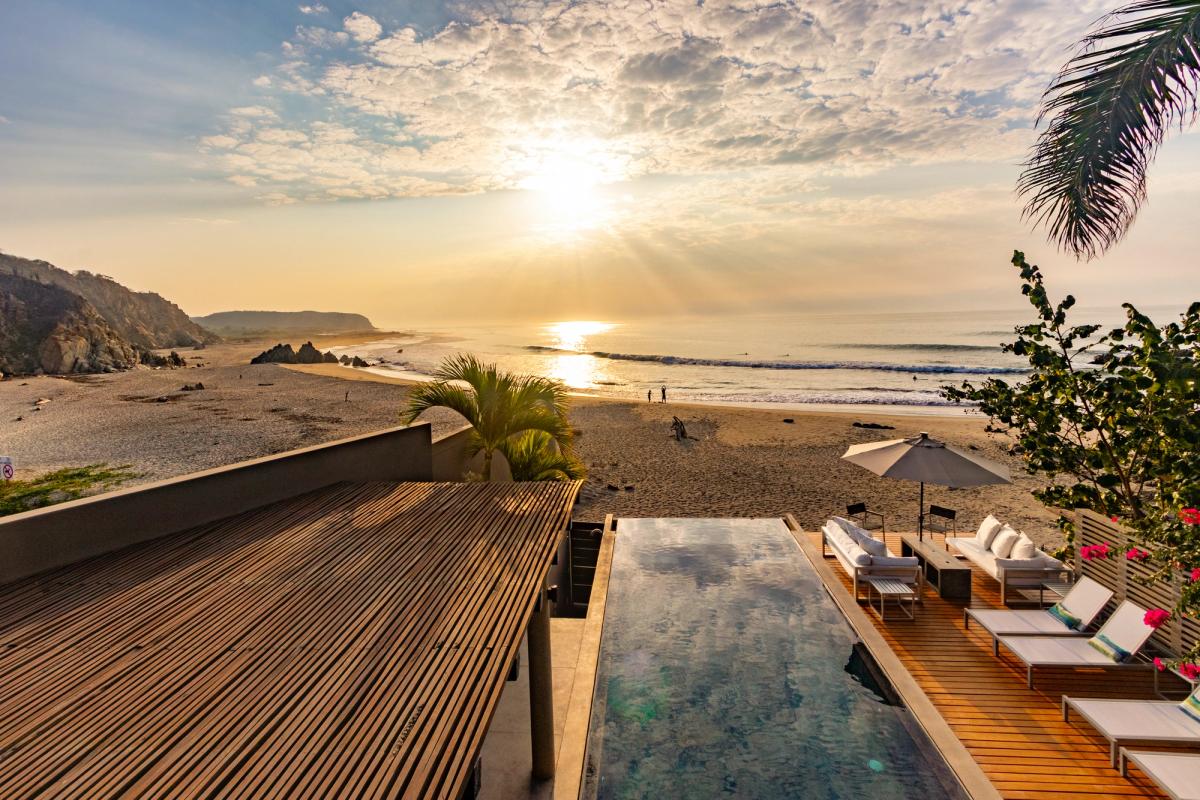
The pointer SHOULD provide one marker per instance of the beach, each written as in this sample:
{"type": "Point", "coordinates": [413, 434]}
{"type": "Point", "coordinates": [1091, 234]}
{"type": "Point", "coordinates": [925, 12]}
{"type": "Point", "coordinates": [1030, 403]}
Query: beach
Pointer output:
{"type": "Point", "coordinates": [740, 462]}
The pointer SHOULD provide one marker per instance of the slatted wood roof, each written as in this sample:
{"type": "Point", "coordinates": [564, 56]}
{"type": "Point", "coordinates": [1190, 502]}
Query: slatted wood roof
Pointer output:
{"type": "Point", "coordinates": [1015, 734]}
{"type": "Point", "coordinates": [351, 642]}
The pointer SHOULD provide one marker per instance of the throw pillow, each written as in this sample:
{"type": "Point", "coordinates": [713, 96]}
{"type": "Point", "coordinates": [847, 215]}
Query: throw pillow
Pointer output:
{"type": "Point", "coordinates": [1002, 545]}
{"type": "Point", "coordinates": [1024, 548]}
{"type": "Point", "coordinates": [987, 531]}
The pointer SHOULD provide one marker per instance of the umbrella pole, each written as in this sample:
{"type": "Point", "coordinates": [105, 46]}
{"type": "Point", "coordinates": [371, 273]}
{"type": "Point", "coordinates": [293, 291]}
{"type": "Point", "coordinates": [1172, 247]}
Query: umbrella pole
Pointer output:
{"type": "Point", "coordinates": [921, 513]}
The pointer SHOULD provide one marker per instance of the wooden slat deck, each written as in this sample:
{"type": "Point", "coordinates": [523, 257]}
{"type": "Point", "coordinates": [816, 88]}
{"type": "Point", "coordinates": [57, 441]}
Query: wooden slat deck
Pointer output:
{"type": "Point", "coordinates": [1017, 735]}
{"type": "Point", "coordinates": [351, 642]}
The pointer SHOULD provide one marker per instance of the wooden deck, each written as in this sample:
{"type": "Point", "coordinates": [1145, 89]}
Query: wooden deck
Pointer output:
{"type": "Point", "coordinates": [351, 642]}
{"type": "Point", "coordinates": [1016, 735]}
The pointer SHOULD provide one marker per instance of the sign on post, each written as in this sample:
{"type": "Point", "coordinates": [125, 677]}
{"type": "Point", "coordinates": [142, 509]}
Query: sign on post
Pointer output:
{"type": "Point", "coordinates": [6, 468]}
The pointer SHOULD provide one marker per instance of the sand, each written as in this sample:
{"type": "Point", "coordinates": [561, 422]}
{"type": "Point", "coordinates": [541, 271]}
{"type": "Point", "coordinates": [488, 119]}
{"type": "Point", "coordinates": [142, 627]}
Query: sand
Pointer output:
{"type": "Point", "coordinates": [742, 462]}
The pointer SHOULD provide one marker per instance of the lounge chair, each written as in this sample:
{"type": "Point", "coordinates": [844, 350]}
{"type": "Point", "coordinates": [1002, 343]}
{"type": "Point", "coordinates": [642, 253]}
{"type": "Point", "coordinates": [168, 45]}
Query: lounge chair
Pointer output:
{"type": "Point", "coordinates": [1122, 722]}
{"type": "Point", "coordinates": [941, 520]}
{"type": "Point", "coordinates": [1177, 774]}
{"type": "Point", "coordinates": [1113, 647]}
{"type": "Point", "coordinates": [1070, 617]}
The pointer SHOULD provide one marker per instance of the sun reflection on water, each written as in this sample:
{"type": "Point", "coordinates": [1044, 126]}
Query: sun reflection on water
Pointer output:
{"type": "Point", "coordinates": [576, 367]}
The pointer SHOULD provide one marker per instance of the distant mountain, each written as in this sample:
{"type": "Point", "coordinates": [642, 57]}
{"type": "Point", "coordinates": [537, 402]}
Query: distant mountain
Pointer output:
{"type": "Point", "coordinates": [143, 319]}
{"type": "Point", "coordinates": [57, 322]}
{"type": "Point", "coordinates": [244, 323]}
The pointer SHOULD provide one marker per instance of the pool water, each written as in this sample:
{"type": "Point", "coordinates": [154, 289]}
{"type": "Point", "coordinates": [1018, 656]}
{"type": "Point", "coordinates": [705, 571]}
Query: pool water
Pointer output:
{"type": "Point", "coordinates": [725, 670]}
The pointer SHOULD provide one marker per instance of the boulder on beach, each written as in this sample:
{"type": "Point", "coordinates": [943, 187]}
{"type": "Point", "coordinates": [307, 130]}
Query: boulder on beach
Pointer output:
{"type": "Point", "coordinates": [344, 360]}
{"type": "Point", "coordinates": [309, 354]}
{"type": "Point", "coordinates": [329, 357]}
{"type": "Point", "coordinates": [279, 354]}
{"type": "Point", "coordinates": [874, 426]}
{"type": "Point", "coordinates": [358, 362]}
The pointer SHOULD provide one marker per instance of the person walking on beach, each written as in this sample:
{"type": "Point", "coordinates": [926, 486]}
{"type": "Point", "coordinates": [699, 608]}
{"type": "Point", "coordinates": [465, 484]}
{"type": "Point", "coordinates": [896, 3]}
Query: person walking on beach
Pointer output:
{"type": "Point", "coordinates": [647, 395]}
{"type": "Point", "coordinates": [664, 394]}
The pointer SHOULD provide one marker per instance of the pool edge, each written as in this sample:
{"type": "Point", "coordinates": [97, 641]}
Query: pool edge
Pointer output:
{"type": "Point", "coordinates": [964, 766]}
{"type": "Point", "coordinates": [572, 751]}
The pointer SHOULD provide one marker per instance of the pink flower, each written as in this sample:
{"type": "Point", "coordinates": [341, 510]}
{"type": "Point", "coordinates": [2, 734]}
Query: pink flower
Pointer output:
{"type": "Point", "coordinates": [1155, 617]}
{"type": "Point", "coordinates": [1134, 554]}
{"type": "Point", "coordinates": [1189, 671]}
{"type": "Point", "coordinates": [1190, 516]}
{"type": "Point", "coordinates": [1114, 518]}
{"type": "Point", "coordinates": [1159, 664]}
{"type": "Point", "coordinates": [1093, 551]}
{"type": "Point", "coordinates": [1195, 576]}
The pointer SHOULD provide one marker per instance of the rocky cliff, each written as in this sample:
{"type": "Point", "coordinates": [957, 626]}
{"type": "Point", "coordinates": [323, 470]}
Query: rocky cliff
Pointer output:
{"type": "Point", "coordinates": [143, 319]}
{"type": "Point", "coordinates": [45, 327]}
{"type": "Point", "coordinates": [245, 323]}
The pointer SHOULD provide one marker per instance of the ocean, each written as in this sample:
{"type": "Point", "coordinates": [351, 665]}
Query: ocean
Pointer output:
{"type": "Point", "coordinates": [794, 361]}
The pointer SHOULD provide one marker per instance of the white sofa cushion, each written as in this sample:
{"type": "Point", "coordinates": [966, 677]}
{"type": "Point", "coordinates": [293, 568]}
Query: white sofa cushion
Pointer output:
{"type": "Point", "coordinates": [845, 545]}
{"type": "Point", "coordinates": [1002, 545]}
{"type": "Point", "coordinates": [987, 531]}
{"type": "Point", "coordinates": [1024, 548]}
{"type": "Point", "coordinates": [862, 538]}
{"type": "Point", "coordinates": [894, 561]}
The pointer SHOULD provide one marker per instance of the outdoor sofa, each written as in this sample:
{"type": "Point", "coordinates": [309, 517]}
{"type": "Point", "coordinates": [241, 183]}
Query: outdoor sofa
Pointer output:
{"type": "Point", "coordinates": [1007, 555]}
{"type": "Point", "coordinates": [863, 556]}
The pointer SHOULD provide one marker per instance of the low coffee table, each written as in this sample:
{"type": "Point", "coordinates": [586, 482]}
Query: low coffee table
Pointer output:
{"type": "Point", "coordinates": [895, 589]}
{"type": "Point", "coordinates": [951, 577]}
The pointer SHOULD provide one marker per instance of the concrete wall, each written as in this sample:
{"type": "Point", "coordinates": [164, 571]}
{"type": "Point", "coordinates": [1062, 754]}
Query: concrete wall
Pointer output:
{"type": "Point", "coordinates": [450, 462]}
{"type": "Point", "coordinates": [52, 537]}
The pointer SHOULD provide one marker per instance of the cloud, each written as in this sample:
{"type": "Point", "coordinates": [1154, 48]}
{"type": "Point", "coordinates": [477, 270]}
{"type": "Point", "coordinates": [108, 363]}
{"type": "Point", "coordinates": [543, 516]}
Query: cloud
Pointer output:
{"type": "Point", "coordinates": [315, 8]}
{"type": "Point", "coordinates": [362, 27]}
{"type": "Point", "coordinates": [5, 120]}
{"type": "Point", "coordinates": [672, 87]}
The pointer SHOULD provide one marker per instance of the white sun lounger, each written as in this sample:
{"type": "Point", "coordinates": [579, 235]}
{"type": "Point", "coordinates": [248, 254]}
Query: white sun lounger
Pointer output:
{"type": "Point", "coordinates": [1125, 628]}
{"type": "Point", "coordinates": [1177, 774]}
{"type": "Point", "coordinates": [1084, 602]}
{"type": "Point", "coordinates": [1124, 722]}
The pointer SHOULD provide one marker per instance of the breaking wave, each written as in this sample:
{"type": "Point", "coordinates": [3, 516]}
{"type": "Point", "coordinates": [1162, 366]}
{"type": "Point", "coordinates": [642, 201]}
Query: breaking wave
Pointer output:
{"type": "Point", "coordinates": [935, 369]}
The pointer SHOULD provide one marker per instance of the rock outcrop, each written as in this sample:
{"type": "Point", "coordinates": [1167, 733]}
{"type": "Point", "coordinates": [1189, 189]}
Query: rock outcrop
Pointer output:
{"type": "Point", "coordinates": [144, 320]}
{"type": "Point", "coordinates": [45, 328]}
{"type": "Point", "coordinates": [279, 354]}
{"type": "Point", "coordinates": [284, 354]}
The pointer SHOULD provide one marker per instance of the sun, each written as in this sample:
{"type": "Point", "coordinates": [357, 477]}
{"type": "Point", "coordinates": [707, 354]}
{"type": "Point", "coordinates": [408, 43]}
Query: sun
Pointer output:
{"type": "Point", "coordinates": [568, 181]}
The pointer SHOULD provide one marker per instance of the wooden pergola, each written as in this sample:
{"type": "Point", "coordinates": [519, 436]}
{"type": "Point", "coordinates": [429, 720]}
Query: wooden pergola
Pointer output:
{"type": "Point", "coordinates": [349, 642]}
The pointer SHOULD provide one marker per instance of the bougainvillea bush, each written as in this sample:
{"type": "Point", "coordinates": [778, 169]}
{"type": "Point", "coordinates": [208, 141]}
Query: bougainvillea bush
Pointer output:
{"type": "Point", "coordinates": [1112, 421]}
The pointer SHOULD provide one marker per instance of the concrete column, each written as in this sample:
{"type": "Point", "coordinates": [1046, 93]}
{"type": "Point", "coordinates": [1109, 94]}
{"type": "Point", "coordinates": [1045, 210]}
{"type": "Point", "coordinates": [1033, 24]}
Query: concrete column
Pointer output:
{"type": "Point", "coordinates": [541, 690]}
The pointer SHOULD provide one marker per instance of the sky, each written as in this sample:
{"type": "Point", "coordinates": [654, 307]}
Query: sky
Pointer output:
{"type": "Point", "coordinates": [430, 162]}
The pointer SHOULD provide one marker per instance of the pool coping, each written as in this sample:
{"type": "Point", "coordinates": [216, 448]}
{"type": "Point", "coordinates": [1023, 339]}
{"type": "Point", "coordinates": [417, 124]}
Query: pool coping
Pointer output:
{"type": "Point", "coordinates": [572, 752]}
{"type": "Point", "coordinates": [964, 766]}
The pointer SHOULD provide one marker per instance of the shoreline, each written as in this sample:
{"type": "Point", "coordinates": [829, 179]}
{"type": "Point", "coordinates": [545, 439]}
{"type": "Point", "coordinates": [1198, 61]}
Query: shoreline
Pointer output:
{"type": "Point", "coordinates": [401, 378]}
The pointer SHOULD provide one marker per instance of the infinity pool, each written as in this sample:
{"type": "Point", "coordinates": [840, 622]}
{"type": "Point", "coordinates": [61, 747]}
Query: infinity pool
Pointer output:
{"type": "Point", "coordinates": [725, 670]}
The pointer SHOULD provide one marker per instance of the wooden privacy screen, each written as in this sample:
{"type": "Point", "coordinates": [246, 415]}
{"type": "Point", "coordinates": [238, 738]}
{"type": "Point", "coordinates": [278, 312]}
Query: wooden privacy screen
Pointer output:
{"type": "Point", "coordinates": [349, 642]}
{"type": "Point", "coordinates": [1129, 579]}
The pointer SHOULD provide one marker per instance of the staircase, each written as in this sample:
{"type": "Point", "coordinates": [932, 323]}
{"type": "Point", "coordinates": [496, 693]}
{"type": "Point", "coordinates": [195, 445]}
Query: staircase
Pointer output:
{"type": "Point", "coordinates": [584, 550]}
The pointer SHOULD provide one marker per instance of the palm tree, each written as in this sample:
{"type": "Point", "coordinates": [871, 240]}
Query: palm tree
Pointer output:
{"type": "Point", "coordinates": [536, 456]}
{"type": "Point", "coordinates": [1133, 79]}
{"type": "Point", "coordinates": [499, 405]}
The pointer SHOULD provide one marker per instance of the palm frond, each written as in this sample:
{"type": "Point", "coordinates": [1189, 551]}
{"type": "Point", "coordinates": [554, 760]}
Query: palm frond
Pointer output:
{"type": "Point", "coordinates": [1134, 78]}
{"type": "Point", "coordinates": [535, 456]}
{"type": "Point", "coordinates": [439, 394]}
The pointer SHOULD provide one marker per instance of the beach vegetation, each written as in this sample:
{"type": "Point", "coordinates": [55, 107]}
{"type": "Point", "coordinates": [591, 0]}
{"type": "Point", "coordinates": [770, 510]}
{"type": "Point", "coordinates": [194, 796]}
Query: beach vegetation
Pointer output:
{"type": "Point", "coordinates": [500, 406]}
{"type": "Point", "coordinates": [1135, 77]}
{"type": "Point", "coordinates": [69, 483]}
{"type": "Point", "coordinates": [536, 456]}
{"type": "Point", "coordinates": [1112, 420]}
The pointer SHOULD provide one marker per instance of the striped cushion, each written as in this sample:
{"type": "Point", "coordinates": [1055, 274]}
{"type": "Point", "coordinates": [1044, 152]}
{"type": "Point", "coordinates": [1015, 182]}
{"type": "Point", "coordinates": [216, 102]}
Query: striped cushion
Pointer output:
{"type": "Point", "coordinates": [1109, 648]}
{"type": "Point", "coordinates": [1191, 706]}
{"type": "Point", "coordinates": [1065, 617]}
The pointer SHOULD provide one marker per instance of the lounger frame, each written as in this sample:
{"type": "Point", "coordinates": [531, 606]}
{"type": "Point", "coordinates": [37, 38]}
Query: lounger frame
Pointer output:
{"type": "Point", "coordinates": [968, 615]}
{"type": "Point", "coordinates": [1115, 743]}
{"type": "Point", "coordinates": [1127, 756]}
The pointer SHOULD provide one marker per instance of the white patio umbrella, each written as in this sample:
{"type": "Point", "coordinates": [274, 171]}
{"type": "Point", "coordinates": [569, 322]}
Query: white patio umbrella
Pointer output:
{"type": "Point", "coordinates": [928, 461]}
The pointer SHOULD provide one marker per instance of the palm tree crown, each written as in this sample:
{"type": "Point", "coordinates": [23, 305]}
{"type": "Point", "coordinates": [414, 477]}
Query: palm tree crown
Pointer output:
{"type": "Point", "coordinates": [1134, 78]}
{"type": "Point", "coordinates": [499, 405]}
